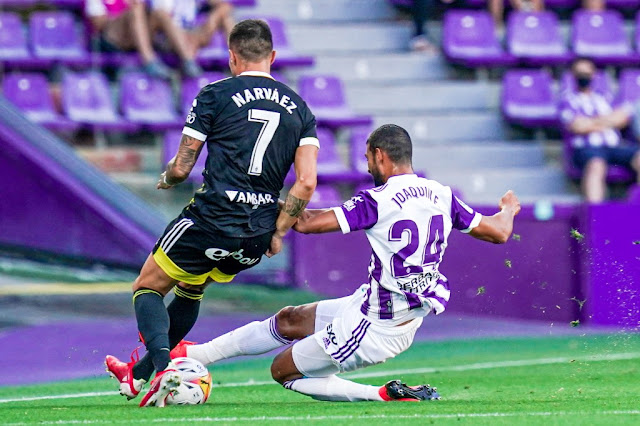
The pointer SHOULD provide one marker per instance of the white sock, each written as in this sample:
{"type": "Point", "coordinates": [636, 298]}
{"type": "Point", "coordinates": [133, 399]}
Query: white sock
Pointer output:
{"type": "Point", "coordinates": [334, 388]}
{"type": "Point", "coordinates": [254, 338]}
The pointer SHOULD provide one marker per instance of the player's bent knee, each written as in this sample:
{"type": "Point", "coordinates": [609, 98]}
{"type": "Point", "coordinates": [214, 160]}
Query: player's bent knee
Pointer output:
{"type": "Point", "coordinates": [284, 321]}
{"type": "Point", "coordinates": [276, 370]}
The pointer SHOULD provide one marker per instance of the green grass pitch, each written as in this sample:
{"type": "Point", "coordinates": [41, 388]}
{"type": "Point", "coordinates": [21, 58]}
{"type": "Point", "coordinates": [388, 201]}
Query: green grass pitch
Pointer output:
{"type": "Point", "coordinates": [553, 380]}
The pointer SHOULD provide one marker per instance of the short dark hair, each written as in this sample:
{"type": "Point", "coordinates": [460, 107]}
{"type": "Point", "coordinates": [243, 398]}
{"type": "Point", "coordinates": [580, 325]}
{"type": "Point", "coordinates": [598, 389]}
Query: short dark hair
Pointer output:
{"type": "Point", "coordinates": [394, 140]}
{"type": "Point", "coordinates": [251, 40]}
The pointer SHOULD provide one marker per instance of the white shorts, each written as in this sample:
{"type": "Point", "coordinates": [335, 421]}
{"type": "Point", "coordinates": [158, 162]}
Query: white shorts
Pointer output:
{"type": "Point", "coordinates": [349, 340]}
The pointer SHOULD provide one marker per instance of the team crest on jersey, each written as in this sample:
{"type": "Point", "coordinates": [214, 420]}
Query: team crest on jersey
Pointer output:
{"type": "Point", "coordinates": [351, 204]}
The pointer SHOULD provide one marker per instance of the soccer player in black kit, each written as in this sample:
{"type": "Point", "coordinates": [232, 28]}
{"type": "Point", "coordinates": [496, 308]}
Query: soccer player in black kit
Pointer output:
{"type": "Point", "coordinates": [254, 128]}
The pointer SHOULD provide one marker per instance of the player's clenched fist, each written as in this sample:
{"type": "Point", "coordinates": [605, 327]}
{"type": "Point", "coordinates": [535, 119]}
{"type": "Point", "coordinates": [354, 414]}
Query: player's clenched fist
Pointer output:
{"type": "Point", "coordinates": [510, 201]}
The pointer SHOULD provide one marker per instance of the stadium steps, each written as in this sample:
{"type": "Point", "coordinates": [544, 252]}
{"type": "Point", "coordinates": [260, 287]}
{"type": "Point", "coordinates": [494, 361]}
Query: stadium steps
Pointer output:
{"type": "Point", "coordinates": [510, 154]}
{"type": "Point", "coordinates": [381, 68]}
{"type": "Point", "coordinates": [486, 185]}
{"type": "Point", "coordinates": [439, 128]}
{"type": "Point", "coordinates": [348, 38]}
{"type": "Point", "coordinates": [436, 96]}
{"type": "Point", "coordinates": [325, 10]}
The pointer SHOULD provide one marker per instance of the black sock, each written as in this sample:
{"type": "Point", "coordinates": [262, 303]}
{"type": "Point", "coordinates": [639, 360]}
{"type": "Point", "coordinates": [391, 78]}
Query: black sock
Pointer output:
{"type": "Point", "coordinates": [153, 324]}
{"type": "Point", "coordinates": [183, 313]}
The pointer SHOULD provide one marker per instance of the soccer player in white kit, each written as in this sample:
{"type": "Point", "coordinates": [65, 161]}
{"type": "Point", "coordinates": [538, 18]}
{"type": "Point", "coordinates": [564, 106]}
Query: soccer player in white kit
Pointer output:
{"type": "Point", "coordinates": [407, 220]}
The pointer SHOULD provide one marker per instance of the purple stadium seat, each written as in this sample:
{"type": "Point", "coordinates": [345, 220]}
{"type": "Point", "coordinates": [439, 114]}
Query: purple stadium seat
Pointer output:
{"type": "Point", "coordinates": [331, 168]}
{"type": "Point", "coordinates": [357, 148]}
{"type": "Point", "coordinates": [55, 36]}
{"type": "Point", "coordinates": [468, 38]}
{"type": "Point", "coordinates": [170, 148]}
{"type": "Point", "coordinates": [86, 99]}
{"type": "Point", "coordinates": [528, 99]}
{"type": "Point", "coordinates": [13, 41]}
{"type": "Point", "coordinates": [637, 32]}
{"type": "Point", "coordinates": [148, 101]}
{"type": "Point", "coordinates": [601, 37]}
{"type": "Point", "coordinates": [601, 84]}
{"type": "Point", "coordinates": [191, 87]}
{"type": "Point", "coordinates": [629, 86]}
{"type": "Point", "coordinates": [535, 38]}
{"type": "Point", "coordinates": [216, 53]}
{"type": "Point", "coordinates": [325, 95]}
{"type": "Point", "coordinates": [30, 93]}
{"type": "Point", "coordinates": [285, 57]}
{"type": "Point", "coordinates": [325, 196]}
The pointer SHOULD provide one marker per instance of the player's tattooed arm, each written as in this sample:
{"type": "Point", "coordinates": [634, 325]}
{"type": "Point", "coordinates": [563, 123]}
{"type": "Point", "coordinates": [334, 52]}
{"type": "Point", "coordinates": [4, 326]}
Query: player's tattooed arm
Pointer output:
{"type": "Point", "coordinates": [180, 166]}
{"type": "Point", "coordinates": [294, 206]}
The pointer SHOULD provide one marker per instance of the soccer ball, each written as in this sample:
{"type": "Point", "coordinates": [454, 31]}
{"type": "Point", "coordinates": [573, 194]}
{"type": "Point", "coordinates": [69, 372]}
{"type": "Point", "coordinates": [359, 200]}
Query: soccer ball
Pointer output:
{"type": "Point", "coordinates": [196, 383]}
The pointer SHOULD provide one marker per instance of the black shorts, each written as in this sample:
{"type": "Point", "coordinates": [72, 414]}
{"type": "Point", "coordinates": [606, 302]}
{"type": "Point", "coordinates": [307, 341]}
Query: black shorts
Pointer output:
{"type": "Point", "coordinates": [189, 253]}
{"type": "Point", "coordinates": [619, 155]}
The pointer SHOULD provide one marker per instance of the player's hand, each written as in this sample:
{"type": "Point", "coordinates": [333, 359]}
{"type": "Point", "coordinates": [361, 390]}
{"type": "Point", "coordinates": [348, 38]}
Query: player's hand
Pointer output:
{"type": "Point", "coordinates": [510, 201]}
{"type": "Point", "coordinates": [275, 247]}
{"type": "Point", "coordinates": [162, 182]}
{"type": "Point", "coordinates": [299, 226]}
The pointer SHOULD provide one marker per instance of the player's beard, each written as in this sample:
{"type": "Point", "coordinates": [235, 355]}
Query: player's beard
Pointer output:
{"type": "Point", "coordinates": [377, 177]}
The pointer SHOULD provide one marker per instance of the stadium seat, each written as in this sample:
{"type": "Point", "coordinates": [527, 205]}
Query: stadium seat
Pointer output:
{"type": "Point", "coordinates": [325, 95]}
{"type": "Point", "coordinates": [148, 101]}
{"type": "Point", "coordinates": [191, 87]}
{"type": "Point", "coordinates": [330, 166]}
{"type": "Point", "coordinates": [601, 37]}
{"type": "Point", "coordinates": [55, 36]}
{"type": "Point", "coordinates": [170, 148]}
{"type": "Point", "coordinates": [528, 99]}
{"type": "Point", "coordinates": [30, 93]}
{"type": "Point", "coordinates": [469, 38]}
{"type": "Point", "coordinates": [637, 33]}
{"type": "Point", "coordinates": [535, 38]}
{"type": "Point", "coordinates": [629, 86]}
{"type": "Point", "coordinates": [601, 84]}
{"type": "Point", "coordinates": [285, 57]}
{"type": "Point", "coordinates": [215, 54]}
{"type": "Point", "coordinates": [86, 99]}
{"type": "Point", "coordinates": [325, 196]}
{"type": "Point", "coordinates": [357, 147]}
{"type": "Point", "coordinates": [13, 41]}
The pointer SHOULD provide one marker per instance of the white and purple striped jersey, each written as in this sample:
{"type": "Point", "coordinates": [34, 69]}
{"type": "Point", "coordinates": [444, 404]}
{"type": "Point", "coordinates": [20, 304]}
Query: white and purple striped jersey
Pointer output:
{"type": "Point", "coordinates": [407, 222]}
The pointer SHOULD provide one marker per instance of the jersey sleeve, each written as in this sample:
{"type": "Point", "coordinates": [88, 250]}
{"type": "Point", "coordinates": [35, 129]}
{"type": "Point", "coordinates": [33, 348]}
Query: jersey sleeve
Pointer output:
{"type": "Point", "coordinates": [360, 212]}
{"type": "Point", "coordinates": [308, 136]}
{"type": "Point", "coordinates": [463, 217]}
{"type": "Point", "coordinates": [200, 119]}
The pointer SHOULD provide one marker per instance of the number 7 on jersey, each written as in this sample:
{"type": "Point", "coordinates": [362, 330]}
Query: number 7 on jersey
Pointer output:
{"type": "Point", "coordinates": [270, 121]}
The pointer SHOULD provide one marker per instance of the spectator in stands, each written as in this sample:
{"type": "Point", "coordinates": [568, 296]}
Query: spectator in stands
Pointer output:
{"type": "Point", "coordinates": [594, 5]}
{"type": "Point", "coordinates": [593, 127]}
{"type": "Point", "coordinates": [419, 11]}
{"type": "Point", "coordinates": [176, 19]}
{"type": "Point", "coordinates": [122, 25]}
{"type": "Point", "coordinates": [496, 8]}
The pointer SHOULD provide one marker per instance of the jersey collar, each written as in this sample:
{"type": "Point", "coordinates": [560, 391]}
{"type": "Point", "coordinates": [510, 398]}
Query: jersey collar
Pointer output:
{"type": "Point", "coordinates": [257, 74]}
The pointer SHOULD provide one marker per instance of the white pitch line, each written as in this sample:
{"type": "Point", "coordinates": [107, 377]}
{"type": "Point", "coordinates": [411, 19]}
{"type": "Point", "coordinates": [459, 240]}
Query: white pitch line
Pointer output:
{"type": "Point", "coordinates": [427, 370]}
{"type": "Point", "coordinates": [350, 417]}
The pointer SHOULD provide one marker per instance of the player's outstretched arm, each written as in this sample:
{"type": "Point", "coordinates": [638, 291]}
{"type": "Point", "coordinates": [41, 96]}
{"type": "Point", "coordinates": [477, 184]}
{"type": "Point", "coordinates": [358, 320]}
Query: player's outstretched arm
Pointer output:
{"type": "Point", "coordinates": [305, 165]}
{"type": "Point", "coordinates": [497, 228]}
{"type": "Point", "coordinates": [180, 166]}
{"type": "Point", "coordinates": [317, 221]}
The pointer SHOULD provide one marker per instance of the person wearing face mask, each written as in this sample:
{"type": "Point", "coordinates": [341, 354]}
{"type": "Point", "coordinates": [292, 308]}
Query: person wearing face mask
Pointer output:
{"type": "Point", "coordinates": [593, 128]}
